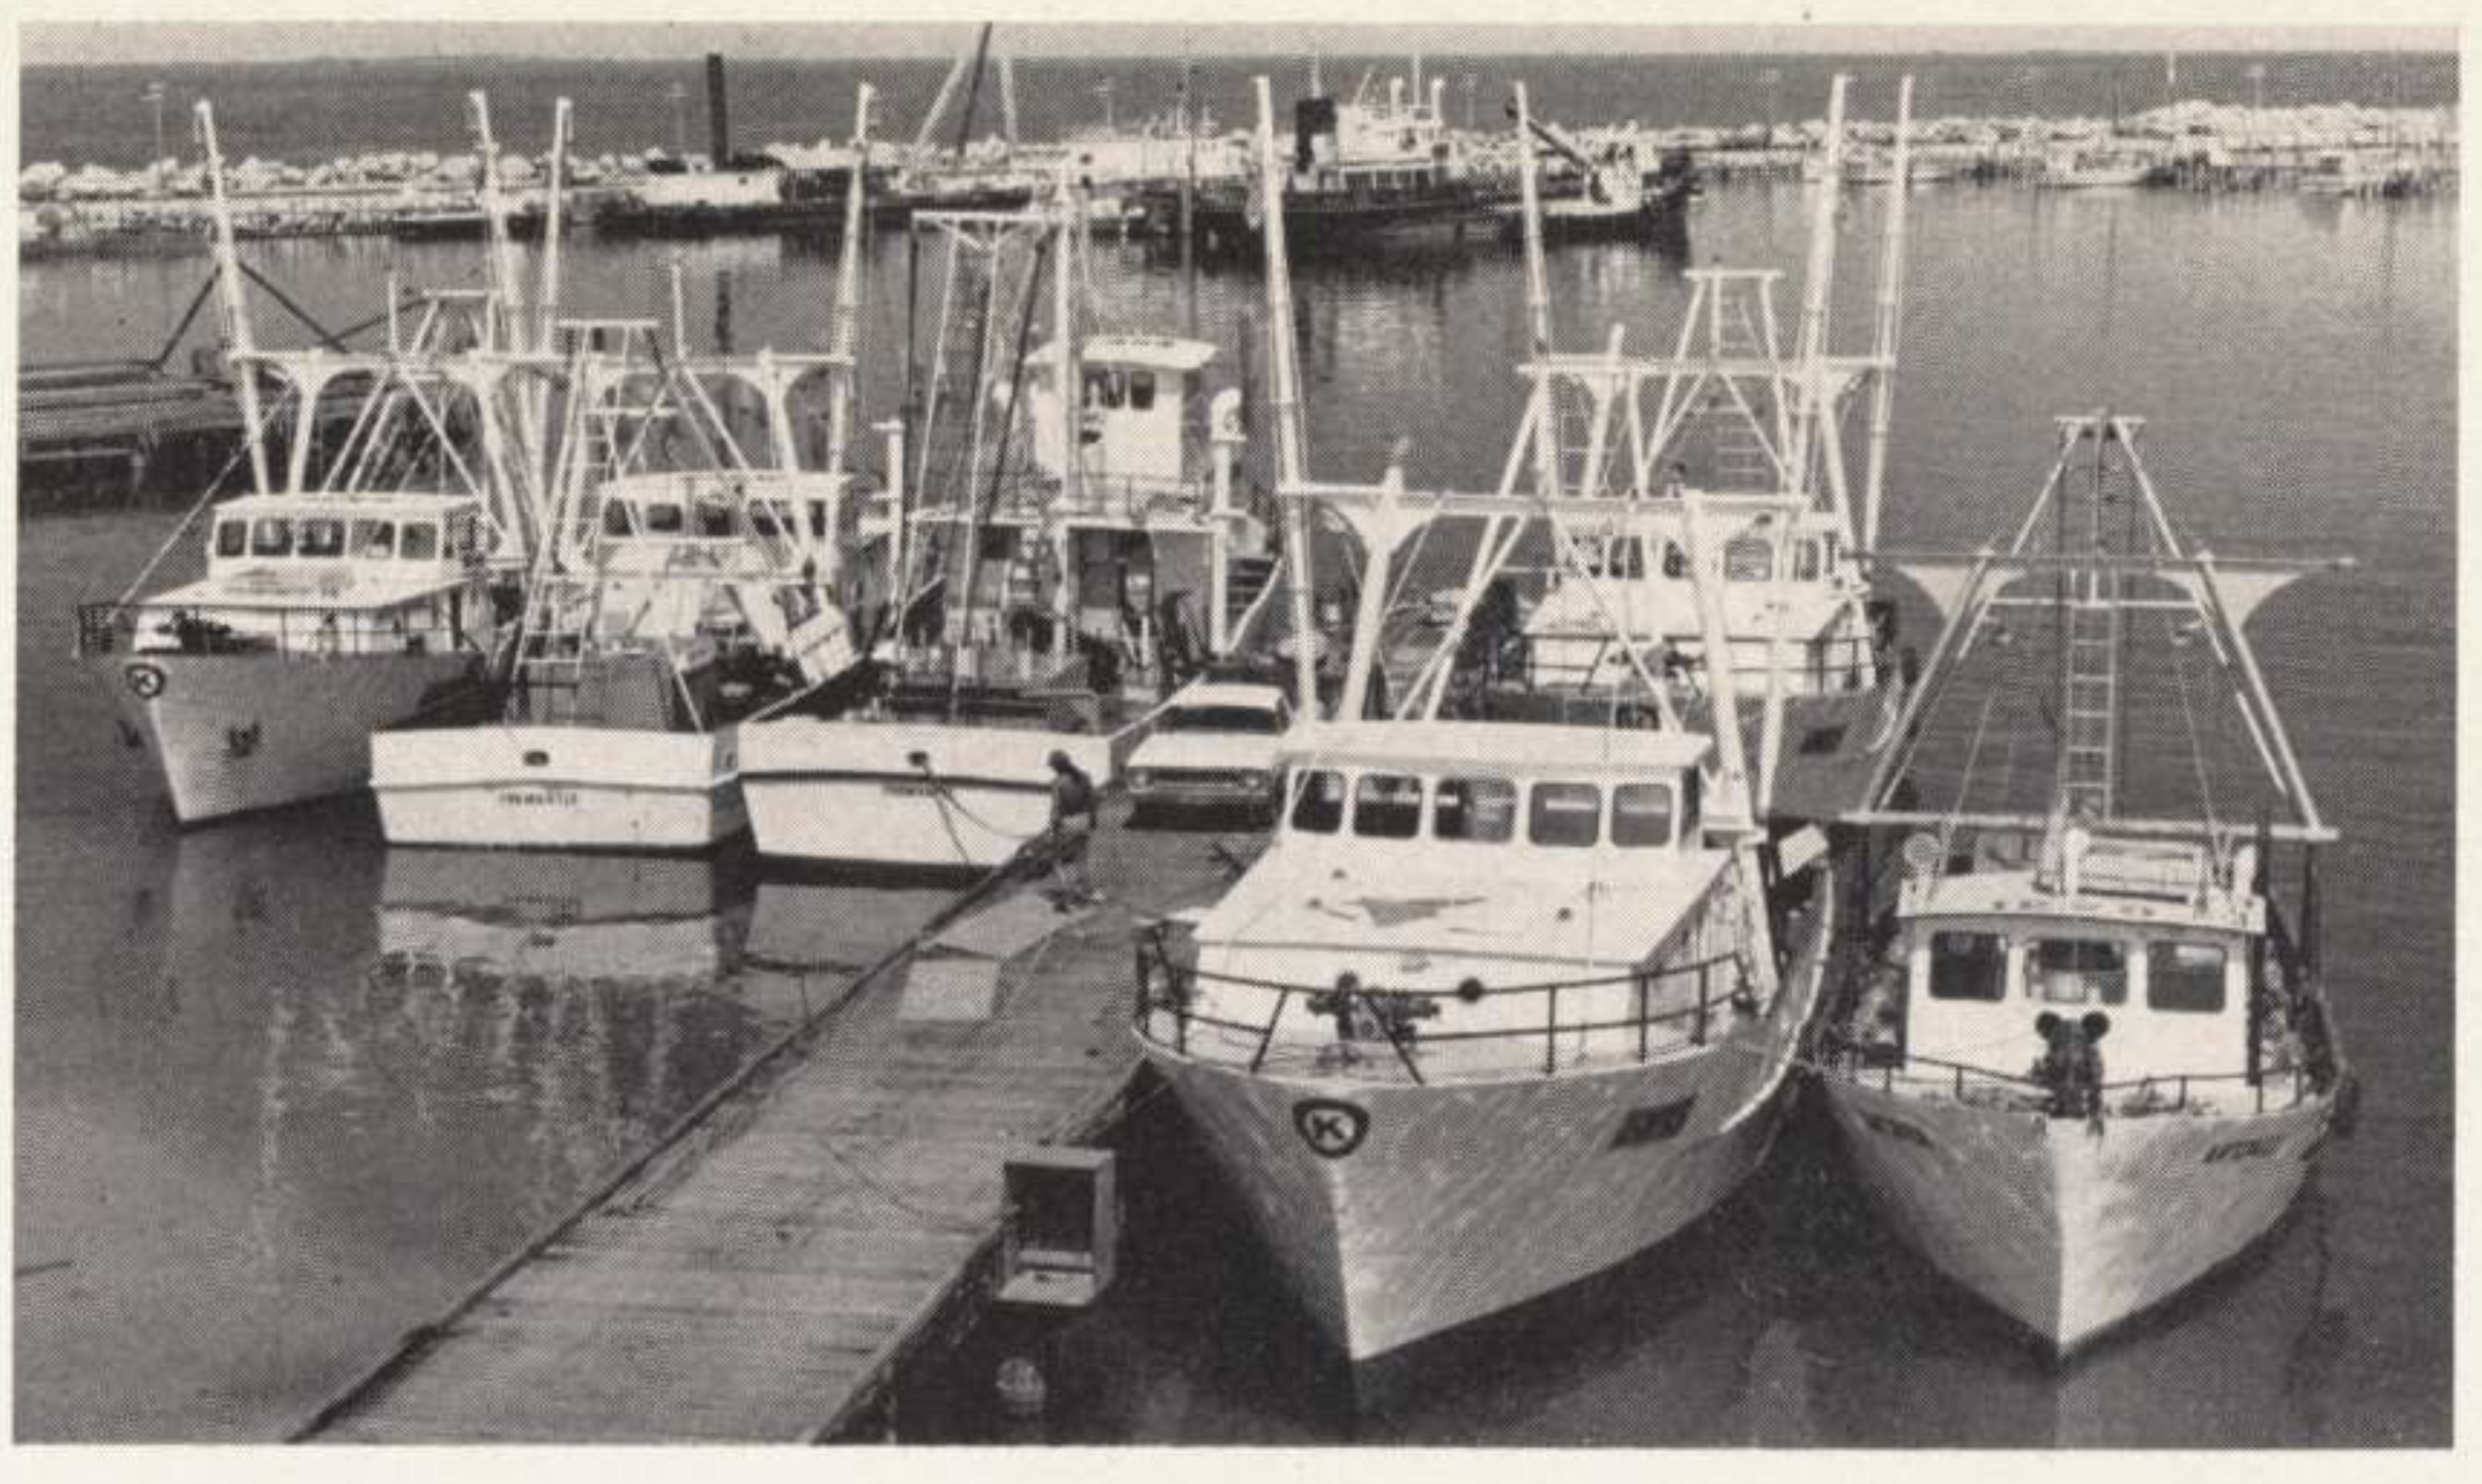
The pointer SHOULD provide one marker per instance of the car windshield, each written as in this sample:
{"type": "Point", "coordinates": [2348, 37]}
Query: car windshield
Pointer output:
{"type": "Point", "coordinates": [1249, 720]}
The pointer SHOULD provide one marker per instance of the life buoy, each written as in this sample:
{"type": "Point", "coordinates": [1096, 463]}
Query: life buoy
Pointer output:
{"type": "Point", "coordinates": [146, 682]}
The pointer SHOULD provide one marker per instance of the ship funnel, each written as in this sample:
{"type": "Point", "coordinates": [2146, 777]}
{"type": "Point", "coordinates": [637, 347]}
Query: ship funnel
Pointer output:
{"type": "Point", "coordinates": [719, 116]}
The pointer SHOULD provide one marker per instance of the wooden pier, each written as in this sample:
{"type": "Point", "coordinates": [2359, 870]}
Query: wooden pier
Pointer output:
{"type": "Point", "coordinates": [763, 1272]}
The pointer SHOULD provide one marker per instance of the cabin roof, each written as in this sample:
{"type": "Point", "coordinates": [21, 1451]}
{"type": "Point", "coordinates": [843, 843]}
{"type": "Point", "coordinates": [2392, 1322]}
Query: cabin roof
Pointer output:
{"type": "Point", "coordinates": [402, 505]}
{"type": "Point", "coordinates": [1461, 900]}
{"type": "Point", "coordinates": [1162, 352]}
{"type": "Point", "coordinates": [1529, 748]}
{"type": "Point", "coordinates": [1229, 693]}
{"type": "Point", "coordinates": [2020, 895]}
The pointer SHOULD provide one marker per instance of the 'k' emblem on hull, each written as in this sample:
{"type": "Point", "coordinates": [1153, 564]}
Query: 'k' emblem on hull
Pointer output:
{"type": "Point", "coordinates": [1331, 1130]}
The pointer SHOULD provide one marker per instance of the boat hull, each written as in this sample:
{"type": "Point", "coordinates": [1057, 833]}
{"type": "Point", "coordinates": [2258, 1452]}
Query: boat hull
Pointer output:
{"type": "Point", "coordinates": [849, 792]}
{"type": "Point", "coordinates": [1462, 1201]}
{"type": "Point", "coordinates": [558, 787]}
{"type": "Point", "coordinates": [239, 732]}
{"type": "Point", "coordinates": [2066, 1231]}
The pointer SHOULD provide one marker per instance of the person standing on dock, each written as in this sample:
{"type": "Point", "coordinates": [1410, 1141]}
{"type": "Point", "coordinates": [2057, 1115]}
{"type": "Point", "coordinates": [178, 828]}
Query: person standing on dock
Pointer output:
{"type": "Point", "coordinates": [1075, 814]}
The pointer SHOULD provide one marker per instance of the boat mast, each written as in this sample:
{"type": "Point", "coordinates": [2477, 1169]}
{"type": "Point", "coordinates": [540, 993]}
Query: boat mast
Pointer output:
{"type": "Point", "coordinates": [1892, 298]}
{"type": "Point", "coordinates": [1291, 454]}
{"type": "Point", "coordinates": [1538, 308]}
{"type": "Point", "coordinates": [1814, 305]}
{"type": "Point", "coordinates": [1071, 389]}
{"type": "Point", "coordinates": [843, 339]}
{"type": "Point", "coordinates": [547, 307]}
{"type": "Point", "coordinates": [240, 350]}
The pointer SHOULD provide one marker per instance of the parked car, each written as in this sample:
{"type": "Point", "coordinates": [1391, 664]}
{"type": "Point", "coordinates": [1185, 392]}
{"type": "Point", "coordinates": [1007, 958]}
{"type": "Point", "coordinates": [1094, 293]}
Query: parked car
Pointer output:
{"type": "Point", "coordinates": [1214, 746]}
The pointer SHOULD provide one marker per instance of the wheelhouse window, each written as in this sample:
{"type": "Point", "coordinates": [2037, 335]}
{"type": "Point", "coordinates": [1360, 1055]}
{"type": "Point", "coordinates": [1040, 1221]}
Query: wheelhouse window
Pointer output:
{"type": "Point", "coordinates": [1566, 815]}
{"type": "Point", "coordinates": [1142, 391]}
{"type": "Point", "coordinates": [666, 519]}
{"type": "Point", "coordinates": [1318, 804]}
{"type": "Point", "coordinates": [2184, 978]}
{"type": "Point", "coordinates": [420, 542]}
{"type": "Point", "coordinates": [1969, 966]}
{"type": "Point", "coordinates": [1805, 561]}
{"type": "Point", "coordinates": [1388, 807]}
{"type": "Point", "coordinates": [1748, 557]}
{"type": "Point", "coordinates": [767, 519]}
{"type": "Point", "coordinates": [1642, 814]}
{"type": "Point", "coordinates": [322, 536]}
{"type": "Point", "coordinates": [233, 538]}
{"type": "Point", "coordinates": [616, 521]}
{"type": "Point", "coordinates": [1481, 810]}
{"type": "Point", "coordinates": [2077, 971]}
{"type": "Point", "coordinates": [1675, 562]}
{"type": "Point", "coordinates": [715, 519]}
{"type": "Point", "coordinates": [270, 538]}
{"type": "Point", "coordinates": [1245, 721]}
{"type": "Point", "coordinates": [374, 538]}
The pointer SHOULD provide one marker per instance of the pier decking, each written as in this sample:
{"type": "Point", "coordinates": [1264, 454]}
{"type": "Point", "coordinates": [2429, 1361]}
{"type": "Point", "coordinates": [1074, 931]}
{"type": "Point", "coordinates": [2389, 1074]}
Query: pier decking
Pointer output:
{"type": "Point", "coordinates": [759, 1276]}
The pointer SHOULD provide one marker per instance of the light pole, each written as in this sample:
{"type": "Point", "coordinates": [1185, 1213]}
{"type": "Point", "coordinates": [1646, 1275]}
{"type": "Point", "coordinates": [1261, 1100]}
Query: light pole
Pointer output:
{"type": "Point", "coordinates": [1771, 77]}
{"type": "Point", "coordinates": [679, 94]}
{"type": "Point", "coordinates": [1470, 102]}
{"type": "Point", "coordinates": [155, 96]}
{"type": "Point", "coordinates": [2258, 86]}
{"type": "Point", "coordinates": [1103, 90]}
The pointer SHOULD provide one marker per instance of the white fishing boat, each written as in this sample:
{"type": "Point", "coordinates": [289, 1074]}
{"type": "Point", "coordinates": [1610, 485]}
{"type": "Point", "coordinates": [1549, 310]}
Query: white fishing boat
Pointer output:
{"type": "Point", "coordinates": [1077, 553]}
{"type": "Point", "coordinates": [1504, 1003]}
{"type": "Point", "coordinates": [341, 596]}
{"type": "Point", "coordinates": [2092, 166]}
{"type": "Point", "coordinates": [1754, 428]}
{"type": "Point", "coordinates": [667, 605]}
{"type": "Point", "coordinates": [2030, 949]}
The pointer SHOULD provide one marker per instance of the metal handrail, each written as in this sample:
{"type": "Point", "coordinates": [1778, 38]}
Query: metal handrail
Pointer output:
{"type": "Point", "coordinates": [1854, 1069]}
{"type": "Point", "coordinates": [1170, 988]}
{"type": "Point", "coordinates": [110, 627]}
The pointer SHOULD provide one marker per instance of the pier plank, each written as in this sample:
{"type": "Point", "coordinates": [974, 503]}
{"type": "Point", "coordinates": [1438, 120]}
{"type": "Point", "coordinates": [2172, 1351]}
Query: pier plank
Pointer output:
{"type": "Point", "coordinates": [755, 1279]}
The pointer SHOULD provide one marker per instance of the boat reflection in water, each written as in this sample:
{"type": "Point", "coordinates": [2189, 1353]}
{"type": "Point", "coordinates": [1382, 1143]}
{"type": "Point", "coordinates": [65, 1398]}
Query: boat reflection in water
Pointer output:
{"type": "Point", "coordinates": [520, 916]}
{"type": "Point", "coordinates": [1744, 1331]}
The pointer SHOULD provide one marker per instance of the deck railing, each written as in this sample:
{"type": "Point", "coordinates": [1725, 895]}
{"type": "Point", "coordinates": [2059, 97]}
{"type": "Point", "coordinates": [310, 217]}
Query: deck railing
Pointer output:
{"type": "Point", "coordinates": [1919, 1075]}
{"type": "Point", "coordinates": [107, 628]}
{"type": "Point", "coordinates": [1577, 1028]}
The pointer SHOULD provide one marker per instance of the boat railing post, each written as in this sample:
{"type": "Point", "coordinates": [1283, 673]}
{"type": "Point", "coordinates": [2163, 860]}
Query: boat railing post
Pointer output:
{"type": "Point", "coordinates": [1704, 971]}
{"type": "Point", "coordinates": [1551, 1030]}
{"type": "Point", "coordinates": [1959, 1082]}
{"type": "Point", "coordinates": [1644, 985]}
{"type": "Point", "coordinates": [1267, 1037]}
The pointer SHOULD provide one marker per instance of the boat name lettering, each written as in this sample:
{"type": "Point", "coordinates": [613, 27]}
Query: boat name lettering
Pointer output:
{"type": "Point", "coordinates": [539, 798]}
{"type": "Point", "coordinates": [1331, 1130]}
{"type": "Point", "coordinates": [2244, 1148]}
{"type": "Point", "coordinates": [1655, 1124]}
{"type": "Point", "coordinates": [1898, 1129]}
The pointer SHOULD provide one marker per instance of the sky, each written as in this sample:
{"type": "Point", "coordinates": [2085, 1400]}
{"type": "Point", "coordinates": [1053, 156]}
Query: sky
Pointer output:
{"type": "Point", "coordinates": [53, 42]}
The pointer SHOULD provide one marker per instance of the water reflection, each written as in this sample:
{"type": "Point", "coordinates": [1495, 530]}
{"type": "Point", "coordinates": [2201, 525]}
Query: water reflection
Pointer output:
{"type": "Point", "coordinates": [1788, 1318]}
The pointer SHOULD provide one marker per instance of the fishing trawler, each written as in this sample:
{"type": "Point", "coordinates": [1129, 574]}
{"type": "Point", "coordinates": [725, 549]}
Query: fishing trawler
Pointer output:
{"type": "Point", "coordinates": [1619, 200]}
{"type": "Point", "coordinates": [665, 605]}
{"type": "Point", "coordinates": [1505, 1002]}
{"type": "Point", "coordinates": [1363, 170]}
{"type": "Point", "coordinates": [339, 596]}
{"type": "Point", "coordinates": [1750, 433]}
{"type": "Point", "coordinates": [1077, 553]}
{"type": "Point", "coordinates": [2028, 950]}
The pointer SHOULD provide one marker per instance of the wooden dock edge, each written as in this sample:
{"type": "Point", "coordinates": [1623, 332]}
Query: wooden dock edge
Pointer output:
{"type": "Point", "coordinates": [775, 1059]}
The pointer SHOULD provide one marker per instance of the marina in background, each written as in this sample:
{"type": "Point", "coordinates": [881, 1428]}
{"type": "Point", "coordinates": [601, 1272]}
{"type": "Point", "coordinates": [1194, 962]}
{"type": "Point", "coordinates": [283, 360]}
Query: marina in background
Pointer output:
{"type": "Point", "coordinates": [1003, 1280]}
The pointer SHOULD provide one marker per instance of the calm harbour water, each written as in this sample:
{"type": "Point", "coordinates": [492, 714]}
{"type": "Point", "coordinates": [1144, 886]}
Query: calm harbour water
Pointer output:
{"type": "Point", "coordinates": [260, 1132]}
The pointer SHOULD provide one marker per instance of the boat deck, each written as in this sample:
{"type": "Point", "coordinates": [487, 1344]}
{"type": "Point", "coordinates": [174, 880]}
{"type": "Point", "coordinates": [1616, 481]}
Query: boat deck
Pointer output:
{"type": "Point", "coordinates": [759, 1276]}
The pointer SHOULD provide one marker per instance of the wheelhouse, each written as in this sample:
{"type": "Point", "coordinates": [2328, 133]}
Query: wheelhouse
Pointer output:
{"type": "Point", "coordinates": [324, 576]}
{"type": "Point", "coordinates": [2148, 948]}
{"type": "Point", "coordinates": [1466, 900]}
